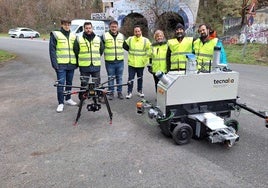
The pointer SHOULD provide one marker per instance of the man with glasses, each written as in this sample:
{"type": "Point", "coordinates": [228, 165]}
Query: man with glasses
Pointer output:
{"type": "Point", "coordinates": [63, 60]}
{"type": "Point", "coordinates": [114, 58]}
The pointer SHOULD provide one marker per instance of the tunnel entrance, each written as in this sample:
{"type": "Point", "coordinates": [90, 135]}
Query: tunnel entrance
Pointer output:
{"type": "Point", "coordinates": [130, 21]}
{"type": "Point", "coordinates": [167, 22]}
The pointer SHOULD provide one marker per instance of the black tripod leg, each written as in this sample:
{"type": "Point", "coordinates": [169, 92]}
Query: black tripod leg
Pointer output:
{"type": "Point", "coordinates": [79, 110]}
{"type": "Point", "coordinates": [108, 107]}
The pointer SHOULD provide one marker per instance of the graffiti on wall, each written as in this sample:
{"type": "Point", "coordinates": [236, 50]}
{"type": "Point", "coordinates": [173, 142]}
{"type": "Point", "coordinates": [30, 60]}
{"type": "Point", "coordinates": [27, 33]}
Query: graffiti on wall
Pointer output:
{"type": "Point", "coordinates": [256, 30]}
{"type": "Point", "coordinates": [256, 33]}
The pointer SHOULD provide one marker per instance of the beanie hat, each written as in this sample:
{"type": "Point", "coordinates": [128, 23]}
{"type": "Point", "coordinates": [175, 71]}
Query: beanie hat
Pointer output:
{"type": "Point", "coordinates": [180, 26]}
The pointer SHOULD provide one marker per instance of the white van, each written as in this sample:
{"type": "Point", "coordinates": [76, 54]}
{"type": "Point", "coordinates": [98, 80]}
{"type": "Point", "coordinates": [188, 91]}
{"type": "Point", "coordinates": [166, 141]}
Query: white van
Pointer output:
{"type": "Point", "coordinates": [77, 26]}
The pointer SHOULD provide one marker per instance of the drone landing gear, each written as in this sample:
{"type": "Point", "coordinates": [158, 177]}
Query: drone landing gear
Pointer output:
{"type": "Point", "coordinates": [94, 106]}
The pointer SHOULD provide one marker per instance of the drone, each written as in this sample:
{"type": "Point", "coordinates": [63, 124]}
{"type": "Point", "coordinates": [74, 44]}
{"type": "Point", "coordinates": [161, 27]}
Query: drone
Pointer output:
{"type": "Point", "coordinates": [89, 89]}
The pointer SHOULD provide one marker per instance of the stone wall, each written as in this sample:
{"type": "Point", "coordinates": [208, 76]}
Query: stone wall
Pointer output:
{"type": "Point", "coordinates": [187, 9]}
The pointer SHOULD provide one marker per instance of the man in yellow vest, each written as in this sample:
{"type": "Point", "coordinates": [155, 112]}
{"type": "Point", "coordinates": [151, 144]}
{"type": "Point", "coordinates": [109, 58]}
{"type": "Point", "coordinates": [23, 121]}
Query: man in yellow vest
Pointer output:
{"type": "Point", "coordinates": [138, 48]}
{"type": "Point", "coordinates": [63, 60]}
{"type": "Point", "coordinates": [204, 48]}
{"type": "Point", "coordinates": [178, 47]}
{"type": "Point", "coordinates": [114, 58]}
{"type": "Point", "coordinates": [88, 49]}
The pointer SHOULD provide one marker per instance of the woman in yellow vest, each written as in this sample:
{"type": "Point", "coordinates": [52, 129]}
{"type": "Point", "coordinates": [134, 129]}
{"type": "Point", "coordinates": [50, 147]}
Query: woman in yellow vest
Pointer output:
{"type": "Point", "coordinates": [178, 47]}
{"type": "Point", "coordinates": [63, 60]}
{"type": "Point", "coordinates": [158, 55]}
{"type": "Point", "coordinates": [204, 48]}
{"type": "Point", "coordinates": [88, 49]}
{"type": "Point", "coordinates": [138, 57]}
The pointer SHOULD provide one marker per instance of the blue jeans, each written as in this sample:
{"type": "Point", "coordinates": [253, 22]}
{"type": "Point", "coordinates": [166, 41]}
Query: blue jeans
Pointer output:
{"type": "Point", "coordinates": [115, 70]}
{"type": "Point", "coordinates": [64, 77]}
{"type": "Point", "coordinates": [131, 75]}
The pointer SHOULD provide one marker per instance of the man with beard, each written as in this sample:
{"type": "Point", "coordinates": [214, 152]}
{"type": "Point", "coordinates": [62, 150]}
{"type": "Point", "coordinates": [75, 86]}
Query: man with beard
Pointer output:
{"type": "Point", "coordinates": [178, 47]}
{"type": "Point", "coordinates": [204, 47]}
{"type": "Point", "coordinates": [88, 50]}
{"type": "Point", "coordinates": [138, 48]}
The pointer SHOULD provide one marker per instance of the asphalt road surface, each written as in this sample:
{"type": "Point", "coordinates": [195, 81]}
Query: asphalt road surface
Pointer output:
{"type": "Point", "coordinates": [42, 148]}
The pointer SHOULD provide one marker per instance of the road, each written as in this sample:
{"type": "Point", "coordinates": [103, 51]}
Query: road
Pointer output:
{"type": "Point", "coordinates": [42, 148]}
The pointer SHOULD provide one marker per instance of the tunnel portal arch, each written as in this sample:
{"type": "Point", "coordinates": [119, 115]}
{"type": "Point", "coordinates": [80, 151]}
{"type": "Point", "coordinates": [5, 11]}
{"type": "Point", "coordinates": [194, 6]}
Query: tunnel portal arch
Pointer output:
{"type": "Point", "coordinates": [167, 22]}
{"type": "Point", "coordinates": [130, 21]}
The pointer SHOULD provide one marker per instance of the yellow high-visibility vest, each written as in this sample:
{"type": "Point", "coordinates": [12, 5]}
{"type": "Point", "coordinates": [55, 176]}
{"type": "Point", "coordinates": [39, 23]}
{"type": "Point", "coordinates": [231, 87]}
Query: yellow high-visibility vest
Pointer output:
{"type": "Point", "coordinates": [204, 52]}
{"type": "Point", "coordinates": [113, 47]}
{"type": "Point", "coordinates": [138, 51]}
{"type": "Point", "coordinates": [178, 52]}
{"type": "Point", "coordinates": [89, 52]}
{"type": "Point", "coordinates": [159, 53]}
{"type": "Point", "coordinates": [64, 48]}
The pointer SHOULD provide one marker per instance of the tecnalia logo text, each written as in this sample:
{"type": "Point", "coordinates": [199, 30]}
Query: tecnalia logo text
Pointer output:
{"type": "Point", "coordinates": [224, 81]}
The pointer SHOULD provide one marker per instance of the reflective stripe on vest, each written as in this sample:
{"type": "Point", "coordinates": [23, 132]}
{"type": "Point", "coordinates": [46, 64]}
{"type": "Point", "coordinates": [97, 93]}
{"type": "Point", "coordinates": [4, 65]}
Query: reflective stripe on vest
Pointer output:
{"type": "Point", "coordinates": [159, 53]}
{"type": "Point", "coordinates": [204, 52]}
{"type": "Point", "coordinates": [137, 54]}
{"type": "Point", "coordinates": [113, 47]}
{"type": "Point", "coordinates": [64, 48]}
{"type": "Point", "coordinates": [89, 52]}
{"type": "Point", "coordinates": [178, 52]}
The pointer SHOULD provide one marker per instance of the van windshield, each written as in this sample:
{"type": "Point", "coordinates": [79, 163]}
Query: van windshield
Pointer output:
{"type": "Point", "coordinates": [74, 28]}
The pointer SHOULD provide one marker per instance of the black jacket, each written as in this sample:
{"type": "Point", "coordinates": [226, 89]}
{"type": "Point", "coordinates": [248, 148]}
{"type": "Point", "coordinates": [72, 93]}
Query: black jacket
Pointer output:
{"type": "Point", "coordinates": [53, 55]}
{"type": "Point", "coordinates": [90, 68]}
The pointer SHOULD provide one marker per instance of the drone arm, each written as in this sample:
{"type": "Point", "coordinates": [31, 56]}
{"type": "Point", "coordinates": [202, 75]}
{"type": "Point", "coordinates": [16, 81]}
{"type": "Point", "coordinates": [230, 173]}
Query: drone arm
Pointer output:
{"type": "Point", "coordinates": [71, 86]}
{"type": "Point", "coordinates": [74, 92]}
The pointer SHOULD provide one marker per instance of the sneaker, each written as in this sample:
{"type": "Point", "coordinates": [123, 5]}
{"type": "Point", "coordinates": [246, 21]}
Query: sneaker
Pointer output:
{"type": "Point", "coordinates": [129, 95]}
{"type": "Point", "coordinates": [71, 102]}
{"type": "Point", "coordinates": [60, 108]}
{"type": "Point", "coordinates": [120, 95]}
{"type": "Point", "coordinates": [141, 94]}
{"type": "Point", "coordinates": [110, 96]}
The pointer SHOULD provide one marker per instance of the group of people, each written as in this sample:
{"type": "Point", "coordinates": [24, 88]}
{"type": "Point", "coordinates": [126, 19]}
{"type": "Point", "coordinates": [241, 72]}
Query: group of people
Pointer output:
{"type": "Point", "coordinates": [170, 55]}
{"type": "Point", "coordinates": [67, 52]}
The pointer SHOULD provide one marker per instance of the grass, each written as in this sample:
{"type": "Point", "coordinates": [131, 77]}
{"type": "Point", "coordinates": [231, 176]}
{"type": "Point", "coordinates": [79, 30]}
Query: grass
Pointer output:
{"type": "Point", "coordinates": [5, 56]}
{"type": "Point", "coordinates": [254, 54]}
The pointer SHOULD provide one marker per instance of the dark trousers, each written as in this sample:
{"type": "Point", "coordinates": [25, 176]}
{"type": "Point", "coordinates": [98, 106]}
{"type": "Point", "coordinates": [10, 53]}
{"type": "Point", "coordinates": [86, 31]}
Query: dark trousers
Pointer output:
{"type": "Point", "coordinates": [156, 80]}
{"type": "Point", "coordinates": [132, 71]}
{"type": "Point", "coordinates": [64, 77]}
{"type": "Point", "coordinates": [115, 70]}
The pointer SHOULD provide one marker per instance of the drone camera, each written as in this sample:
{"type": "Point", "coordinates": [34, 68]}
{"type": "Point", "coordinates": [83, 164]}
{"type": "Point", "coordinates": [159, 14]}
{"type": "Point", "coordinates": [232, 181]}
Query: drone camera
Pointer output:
{"type": "Point", "coordinates": [93, 107]}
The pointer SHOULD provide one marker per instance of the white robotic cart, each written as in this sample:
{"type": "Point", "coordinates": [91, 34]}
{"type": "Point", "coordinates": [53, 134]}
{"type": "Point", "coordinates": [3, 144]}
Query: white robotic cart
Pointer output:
{"type": "Point", "coordinates": [196, 104]}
